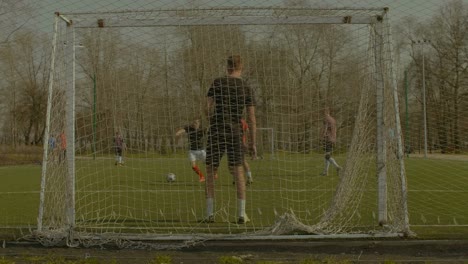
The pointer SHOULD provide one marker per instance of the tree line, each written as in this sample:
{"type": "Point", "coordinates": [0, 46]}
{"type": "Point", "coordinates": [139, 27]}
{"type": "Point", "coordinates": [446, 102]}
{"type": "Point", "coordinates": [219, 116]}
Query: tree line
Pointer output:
{"type": "Point", "coordinates": [442, 42]}
{"type": "Point", "coordinates": [146, 83]}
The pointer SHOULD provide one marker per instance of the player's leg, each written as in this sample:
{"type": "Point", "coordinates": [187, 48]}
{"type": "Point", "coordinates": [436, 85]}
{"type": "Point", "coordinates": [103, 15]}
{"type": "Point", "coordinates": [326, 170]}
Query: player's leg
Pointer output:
{"type": "Point", "coordinates": [202, 157]}
{"type": "Point", "coordinates": [209, 193]}
{"type": "Point", "coordinates": [247, 172]}
{"type": "Point", "coordinates": [235, 161]}
{"type": "Point", "coordinates": [120, 157]}
{"type": "Point", "coordinates": [334, 163]}
{"type": "Point", "coordinates": [211, 170]}
{"type": "Point", "coordinates": [327, 150]}
{"type": "Point", "coordinates": [193, 161]}
{"type": "Point", "coordinates": [246, 165]}
{"type": "Point", "coordinates": [213, 158]}
{"type": "Point", "coordinates": [197, 170]}
{"type": "Point", "coordinates": [332, 160]}
{"type": "Point", "coordinates": [116, 156]}
{"type": "Point", "coordinates": [233, 174]}
{"type": "Point", "coordinates": [241, 194]}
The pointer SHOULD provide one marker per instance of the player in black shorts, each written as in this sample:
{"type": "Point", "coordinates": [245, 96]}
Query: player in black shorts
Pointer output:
{"type": "Point", "coordinates": [195, 136]}
{"type": "Point", "coordinates": [227, 99]}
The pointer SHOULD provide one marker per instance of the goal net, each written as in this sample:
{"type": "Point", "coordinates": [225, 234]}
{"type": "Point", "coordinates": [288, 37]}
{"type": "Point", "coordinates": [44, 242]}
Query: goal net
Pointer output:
{"type": "Point", "coordinates": [265, 143]}
{"type": "Point", "coordinates": [145, 74]}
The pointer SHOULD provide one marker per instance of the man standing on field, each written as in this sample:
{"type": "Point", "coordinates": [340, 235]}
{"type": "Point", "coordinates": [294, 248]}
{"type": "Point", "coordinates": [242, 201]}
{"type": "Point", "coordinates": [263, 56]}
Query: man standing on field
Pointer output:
{"type": "Point", "coordinates": [227, 99]}
{"type": "Point", "coordinates": [119, 146]}
{"type": "Point", "coordinates": [329, 140]}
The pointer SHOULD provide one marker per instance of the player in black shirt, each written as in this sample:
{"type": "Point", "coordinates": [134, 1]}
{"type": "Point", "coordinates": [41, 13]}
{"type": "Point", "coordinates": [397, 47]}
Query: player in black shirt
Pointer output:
{"type": "Point", "coordinates": [197, 152]}
{"type": "Point", "coordinates": [227, 99]}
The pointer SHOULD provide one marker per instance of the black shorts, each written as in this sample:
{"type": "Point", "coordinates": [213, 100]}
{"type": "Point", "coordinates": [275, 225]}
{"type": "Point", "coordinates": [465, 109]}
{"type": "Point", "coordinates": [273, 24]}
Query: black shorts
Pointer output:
{"type": "Point", "coordinates": [225, 140]}
{"type": "Point", "coordinates": [118, 151]}
{"type": "Point", "coordinates": [328, 146]}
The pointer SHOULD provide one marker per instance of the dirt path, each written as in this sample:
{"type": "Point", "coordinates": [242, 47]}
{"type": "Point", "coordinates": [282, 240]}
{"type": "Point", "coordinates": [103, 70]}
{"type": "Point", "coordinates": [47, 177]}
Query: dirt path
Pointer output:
{"type": "Point", "coordinates": [401, 251]}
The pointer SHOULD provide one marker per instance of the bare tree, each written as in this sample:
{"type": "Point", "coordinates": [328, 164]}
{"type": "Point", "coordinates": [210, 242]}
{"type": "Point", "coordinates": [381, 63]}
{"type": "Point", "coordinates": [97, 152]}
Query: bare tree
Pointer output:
{"type": "Point", "coordinates": [99, 60]}
{"type": "Point", "coordinates": [207, 50]}
{"type": "Point", "coordinates": [134, 90]}
{"type": "Point", "coordinates": [313, 53]}
{"type": "Point", "coordinates": [448, 72]}
{"type": "Point", "coordinates": [11, 10]}
{"type": "Point", "coordinates": [25, 61]}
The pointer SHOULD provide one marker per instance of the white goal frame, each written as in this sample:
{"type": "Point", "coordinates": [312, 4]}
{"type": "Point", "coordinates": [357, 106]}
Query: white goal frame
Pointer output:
{"type": "Point", "coordinates": [73, 24]}
{"type": "Point", "coordinates": [271, 132]}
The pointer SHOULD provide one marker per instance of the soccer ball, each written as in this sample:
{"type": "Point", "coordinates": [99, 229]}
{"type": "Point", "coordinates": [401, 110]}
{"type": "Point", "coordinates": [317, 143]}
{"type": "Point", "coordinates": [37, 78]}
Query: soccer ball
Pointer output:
{"type": "Point", "coordinates": [170, 177]}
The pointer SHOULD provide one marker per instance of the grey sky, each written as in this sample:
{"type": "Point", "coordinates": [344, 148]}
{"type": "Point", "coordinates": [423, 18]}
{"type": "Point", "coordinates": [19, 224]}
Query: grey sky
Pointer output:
{"type": "Point", "coordinates": [42, 18]}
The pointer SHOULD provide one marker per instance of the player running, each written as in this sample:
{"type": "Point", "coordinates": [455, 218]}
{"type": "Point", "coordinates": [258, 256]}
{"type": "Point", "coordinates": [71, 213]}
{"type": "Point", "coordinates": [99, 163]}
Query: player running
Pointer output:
{"type": "Point", "coordinates": [197, 152]}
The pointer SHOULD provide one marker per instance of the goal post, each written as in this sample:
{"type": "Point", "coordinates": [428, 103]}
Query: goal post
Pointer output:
{"type": "Point", "coordinates": [266, 143]}
{"type": "Point", "coordinates": [145, 73]}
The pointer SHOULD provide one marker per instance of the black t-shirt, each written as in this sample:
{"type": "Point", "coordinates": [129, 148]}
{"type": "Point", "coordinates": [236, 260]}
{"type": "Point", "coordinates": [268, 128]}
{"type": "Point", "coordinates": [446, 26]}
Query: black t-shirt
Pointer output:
{"type": "Point", "coordinates": [195, 137]}
{"type": "Point", "coordinates": [231, 96]}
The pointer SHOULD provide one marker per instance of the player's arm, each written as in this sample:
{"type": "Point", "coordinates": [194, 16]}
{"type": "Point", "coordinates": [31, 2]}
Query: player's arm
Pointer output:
{"type": "Point", "coordinates": [245, 132]}
{"type": "Point", "coordinates": [210, 102]}
{"type": "Point", "coordinates": [245, 126]}
{"type": "Point", "coordinates": [180, 132]}
{"type": "Point", "coordinates": [209, 106]}
{"type": "Point", "coordinates": [252, 121]}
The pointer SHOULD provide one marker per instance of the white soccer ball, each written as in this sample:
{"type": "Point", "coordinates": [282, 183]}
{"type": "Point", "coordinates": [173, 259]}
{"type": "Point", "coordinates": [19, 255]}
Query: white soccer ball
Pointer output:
{"type": "Point", "coordinates": [170, 177]}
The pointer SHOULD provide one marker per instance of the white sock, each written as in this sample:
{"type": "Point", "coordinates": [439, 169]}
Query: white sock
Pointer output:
{"type": "Point", "coordinates": [241, 207]}
{"type": "Point", "coordinates": [249, 174]}
{"type": "Point", "coordinates": [120, 159]}
{"type": "Point", "coordinates": [332, 160]}
{"type": "Point", "coordinates": [327, 165]}
{"type": "Point", "coordinates": [209, 207]}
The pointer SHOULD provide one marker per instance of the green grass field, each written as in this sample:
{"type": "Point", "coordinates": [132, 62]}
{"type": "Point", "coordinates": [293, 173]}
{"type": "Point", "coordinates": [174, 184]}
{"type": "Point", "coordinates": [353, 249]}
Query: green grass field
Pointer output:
{"type": "Point", "coordinates": [137, 198]}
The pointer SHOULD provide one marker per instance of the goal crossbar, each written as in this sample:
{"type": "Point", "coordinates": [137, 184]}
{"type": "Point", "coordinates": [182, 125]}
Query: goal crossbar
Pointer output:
{"type": "Point", "coordinates": [234, 20]}
{"type": "Point", "coordinates": [208, 17]}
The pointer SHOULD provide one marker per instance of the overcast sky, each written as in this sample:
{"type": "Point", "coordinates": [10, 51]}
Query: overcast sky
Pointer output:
{"type": "Point", "coordinates": [43, 10]}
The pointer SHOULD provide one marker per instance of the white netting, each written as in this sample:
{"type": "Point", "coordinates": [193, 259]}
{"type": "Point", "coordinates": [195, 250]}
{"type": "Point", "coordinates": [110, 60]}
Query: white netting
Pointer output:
{"type": "Point", "coordinates": [146, 73]}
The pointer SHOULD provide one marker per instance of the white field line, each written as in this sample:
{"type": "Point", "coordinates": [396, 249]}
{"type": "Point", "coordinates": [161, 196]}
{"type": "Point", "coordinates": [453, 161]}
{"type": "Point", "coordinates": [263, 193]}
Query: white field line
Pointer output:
{"type": "Point", "coordinates": [189, 191]}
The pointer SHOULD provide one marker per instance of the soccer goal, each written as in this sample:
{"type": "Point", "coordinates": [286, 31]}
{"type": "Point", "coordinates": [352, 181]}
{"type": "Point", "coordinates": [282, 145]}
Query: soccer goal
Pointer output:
{"type": "Point", "coordinates": [145, 73]}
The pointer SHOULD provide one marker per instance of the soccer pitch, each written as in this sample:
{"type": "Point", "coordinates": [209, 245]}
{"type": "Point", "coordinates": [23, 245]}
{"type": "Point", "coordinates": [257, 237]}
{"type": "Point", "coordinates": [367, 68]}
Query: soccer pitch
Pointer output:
{"type": "Point", "coordinates": [137, 196]}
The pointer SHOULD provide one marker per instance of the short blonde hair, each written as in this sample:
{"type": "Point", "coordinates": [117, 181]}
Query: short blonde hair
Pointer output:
{"type": "Point", "coordinates": [234, 63]}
